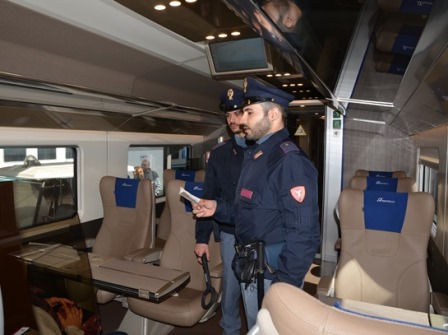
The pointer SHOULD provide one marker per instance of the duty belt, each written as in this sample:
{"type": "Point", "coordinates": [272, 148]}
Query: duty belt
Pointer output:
{"type": "Point", "coordinates": [250, 265]}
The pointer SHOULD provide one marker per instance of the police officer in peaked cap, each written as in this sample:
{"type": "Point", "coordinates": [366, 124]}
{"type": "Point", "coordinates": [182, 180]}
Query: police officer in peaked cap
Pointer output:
{"type": "Point", "coordinates": [221, 178]}
{"type": "Point", "coordinates": [276, 196]}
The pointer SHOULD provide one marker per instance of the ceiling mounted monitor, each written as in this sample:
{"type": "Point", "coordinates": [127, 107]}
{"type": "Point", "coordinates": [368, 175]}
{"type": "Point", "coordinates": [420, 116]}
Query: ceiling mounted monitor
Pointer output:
{"type": "Point", "coordinates": [236, 59]}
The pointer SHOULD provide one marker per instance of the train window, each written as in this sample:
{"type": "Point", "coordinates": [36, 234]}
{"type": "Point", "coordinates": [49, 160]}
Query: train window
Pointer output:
{"type": "Point", "coordinates": [150, 161]}
{"type": "Point", "coordinates": [44, 183]}
{"type": "Point", "coordinates": [178, 158]}
{"type": "Point", "coordinates": [428, 177]}
{"type": "Point", "coordinates": [46, 153]}
{"type": "Point", "coordinates": [13, 154]}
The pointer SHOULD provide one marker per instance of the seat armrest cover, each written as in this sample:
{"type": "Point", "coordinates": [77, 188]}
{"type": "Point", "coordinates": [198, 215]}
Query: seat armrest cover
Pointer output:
{"type": "Point", "coordinates": [325, 287]}
{"type": "Point", "coordinates": [440, 303]}
{"type": "Point", "coordinates": [144, 255]}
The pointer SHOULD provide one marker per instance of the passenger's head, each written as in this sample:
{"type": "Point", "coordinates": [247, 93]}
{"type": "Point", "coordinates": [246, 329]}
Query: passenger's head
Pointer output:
{"type": "Point", "coordinates": [139, 173]}
{"type": "Point", "coordinates": [284, 13]}
{"type": "Point", "coordinates": [264, 109]}
{"type": "Point", "coordinates": [145, 164]}
{"type": "Point", "coordinates": [31, 160]}
{"type": "Point", "coordinates": [230, 103]}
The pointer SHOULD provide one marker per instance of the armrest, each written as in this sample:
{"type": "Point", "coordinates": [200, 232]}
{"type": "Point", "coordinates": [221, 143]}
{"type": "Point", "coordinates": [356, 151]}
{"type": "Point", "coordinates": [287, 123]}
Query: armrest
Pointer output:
{"type": "Point", "coordinates": [144, 255]}
{"type": "Point", "coordinates": [217, 271]}
{"type": "Point", "coordinates": [325, 287]}
{"type": "Point", "coordinates": [440, 303]}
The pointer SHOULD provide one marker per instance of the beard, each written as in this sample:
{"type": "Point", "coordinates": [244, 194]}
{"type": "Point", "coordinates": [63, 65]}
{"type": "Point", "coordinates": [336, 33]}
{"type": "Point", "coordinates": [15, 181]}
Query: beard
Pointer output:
{"type": "Point", "coordinates": [258, 130]}
{"type": "Point", "coordinates": [235, 128]}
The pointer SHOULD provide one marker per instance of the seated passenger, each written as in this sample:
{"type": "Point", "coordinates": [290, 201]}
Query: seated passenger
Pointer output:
{"type": "Point", "coordinates": [31, 160]}
{"type": "Point", "coordinates": [139, 173]}
{"type": "Point", "coordinates": [57, 316]}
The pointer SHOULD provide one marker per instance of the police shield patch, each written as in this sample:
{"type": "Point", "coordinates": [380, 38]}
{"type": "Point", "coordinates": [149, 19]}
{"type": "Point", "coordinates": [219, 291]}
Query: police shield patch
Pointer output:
{"type": "Point", "coordinates": [298, 193]}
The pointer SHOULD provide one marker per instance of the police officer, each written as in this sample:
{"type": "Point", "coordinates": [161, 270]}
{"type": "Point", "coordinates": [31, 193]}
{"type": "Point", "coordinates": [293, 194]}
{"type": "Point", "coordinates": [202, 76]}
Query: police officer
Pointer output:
{"type": "Point", "coordinates": [276, 199]}
{"type": "Point", "coordinates": [221, 178]}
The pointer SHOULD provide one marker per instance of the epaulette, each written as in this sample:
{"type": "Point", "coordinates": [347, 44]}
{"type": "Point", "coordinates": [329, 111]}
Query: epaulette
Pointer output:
{"type": "Point", "coordinates": [217, 145]}
{"type": "Point", "coordinates": [285, 148]}
{"type": "Point", "coordinates": [288, 147]}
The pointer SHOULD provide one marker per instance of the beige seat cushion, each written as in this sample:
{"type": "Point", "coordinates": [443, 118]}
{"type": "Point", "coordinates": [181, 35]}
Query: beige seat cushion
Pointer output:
{"type": "Point", "coordinates": [291, 311]}
{"type": "Point", "coordinates": [395, 174]}
{"type": "Point", "coordinates": [384, 267]}
{"type": "Point", "coordinates": [124, 229]}
{"type": "Point", "coordinates": [406, 184]}
{"type": "Point", "coordinates": [184, 308]}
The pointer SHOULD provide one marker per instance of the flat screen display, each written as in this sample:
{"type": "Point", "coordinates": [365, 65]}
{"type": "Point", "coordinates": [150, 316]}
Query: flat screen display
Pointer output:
{"type": "Point", "coordinates": [237, 58]}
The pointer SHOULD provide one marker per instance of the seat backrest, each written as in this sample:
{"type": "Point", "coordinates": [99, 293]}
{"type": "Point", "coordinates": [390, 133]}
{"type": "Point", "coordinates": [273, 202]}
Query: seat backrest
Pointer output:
{"type": "Point", "coordinates": [178, 250]}
{"type": "Point", "coordinates": [164, 226]}
{"type": "Point", "coordinates": [389, 174]}
{"type": "Point", "coordinates": [384, 244]}
{"type": "Point", "coordinates": [184, 308]}
{"type": "Point", "coordinates": [406, 184]}
{"type": "Point", "coordinates": [288, 310]}
{"type": "Point", "coordinates": [128, 223]}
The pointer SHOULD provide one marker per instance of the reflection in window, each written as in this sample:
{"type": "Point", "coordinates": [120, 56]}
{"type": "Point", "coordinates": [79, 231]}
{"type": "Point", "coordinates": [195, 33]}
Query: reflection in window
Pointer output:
{"type": "Point", "coordinates": [150, 161]}
{"type": "Point", "coordinates": [46, 153]}
{"type": "Point", "coordinates": [147, 163]}
{"type": "Point", "coordinates": [427, 176]}
{"type": "Point", "coordinates": [44, 183]}
{"type": "Point", "coordinates": [14, 154]}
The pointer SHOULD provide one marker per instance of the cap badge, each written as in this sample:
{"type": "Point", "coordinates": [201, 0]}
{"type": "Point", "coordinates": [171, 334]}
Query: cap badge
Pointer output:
{"type": "Point", "coordinates": [298, 193]}
{"type": "Point", "coordinates": [245, 85]}
{"type": "Point", "coordinates": [230, 94]}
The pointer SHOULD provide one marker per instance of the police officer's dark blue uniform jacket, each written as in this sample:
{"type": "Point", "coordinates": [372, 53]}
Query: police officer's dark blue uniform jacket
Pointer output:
{"type": "Point", "coordinates": [276, 200]}
{"type": "Point", "coordinates": [223, 171]}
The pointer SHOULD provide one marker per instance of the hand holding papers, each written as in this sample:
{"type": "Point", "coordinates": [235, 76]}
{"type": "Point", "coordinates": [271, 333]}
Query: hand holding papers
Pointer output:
{"type": "Point", "coordinates": [187, 195]}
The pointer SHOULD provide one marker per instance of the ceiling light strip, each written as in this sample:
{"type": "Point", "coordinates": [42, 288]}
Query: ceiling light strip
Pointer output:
{"type": "Point", "coordinates": [366, 102]}
{"type": "Point", "coordinates": [368, 121]}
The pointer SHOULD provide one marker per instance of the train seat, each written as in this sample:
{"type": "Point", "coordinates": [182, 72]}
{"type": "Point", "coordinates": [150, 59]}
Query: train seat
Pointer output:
{"type": "Point", "coordinates": [183, 308]}
{"type": "Point", "coordinates": [128, 224]}
{"type": "Point", "coordinates": [164, 224]}
{"type": "Point", "coordinates": [378, 181]}
{"type": "Point", "coordinates": [388, 174]}
{"type": "Point", "coordinates": [406, 184]}
{"type": "Point", "coordinates": [288, 310]}
{"type": "Point", "coordinates": [383, 253]}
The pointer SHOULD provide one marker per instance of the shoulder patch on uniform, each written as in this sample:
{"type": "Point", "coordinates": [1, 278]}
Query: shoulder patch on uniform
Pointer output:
{"type": "Point", "coordinates": [217, 145]}
{"type": "Point", "coordinates": [298, 193]}
{"type": "Point", "coordinates": [288, 147]}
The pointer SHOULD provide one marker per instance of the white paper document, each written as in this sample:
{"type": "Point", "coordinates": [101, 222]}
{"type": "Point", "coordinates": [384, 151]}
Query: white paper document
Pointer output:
{"type": "Point", "coordinates": [187, 195]}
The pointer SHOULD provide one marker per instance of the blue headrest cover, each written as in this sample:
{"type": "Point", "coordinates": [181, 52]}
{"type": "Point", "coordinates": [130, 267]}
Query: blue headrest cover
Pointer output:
{"type": "Point", "coordinates": [187, 175]}
{"type": "Point", "coordinates": [385, 211]}
{"type": "Point", "coordinates": [382, 184]}
{"type": "Point", "coordinates": [407, 40]}
{"type": "Point", "coordinates": [126, 192]}
{"type": "Point", "coordinates": [194, 188]}
{"type": "Point", "coordinates": [417, 7]}
{"type": "Point", "coordinates": [387, 174]}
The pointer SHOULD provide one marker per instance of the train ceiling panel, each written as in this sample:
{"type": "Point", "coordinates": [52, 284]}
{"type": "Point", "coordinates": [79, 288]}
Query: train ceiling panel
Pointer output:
{"type": "Point", "coordinates": [131, 51]}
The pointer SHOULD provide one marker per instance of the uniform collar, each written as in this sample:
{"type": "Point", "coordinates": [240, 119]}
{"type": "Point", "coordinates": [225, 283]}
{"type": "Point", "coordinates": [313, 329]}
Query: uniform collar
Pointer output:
{"type": "Point", "coordinates": [240, 141]}
{"type": "Point", "coordinates": [264, 138]}
{"type": "Point", "coordinates": [280, 134]}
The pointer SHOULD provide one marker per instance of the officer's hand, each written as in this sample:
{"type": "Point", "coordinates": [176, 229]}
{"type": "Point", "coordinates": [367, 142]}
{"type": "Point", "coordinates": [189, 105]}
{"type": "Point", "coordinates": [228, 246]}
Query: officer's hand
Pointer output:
{"type": "Point", "coordinates": [204, 208]}
{"type": "Point", "coordinates": [200, 249]}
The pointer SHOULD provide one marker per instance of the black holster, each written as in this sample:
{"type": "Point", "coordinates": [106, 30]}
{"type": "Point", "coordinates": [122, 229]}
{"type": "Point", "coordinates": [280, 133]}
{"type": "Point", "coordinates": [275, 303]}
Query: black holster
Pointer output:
{"type": "Point", "coordinates": [249, 265]}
